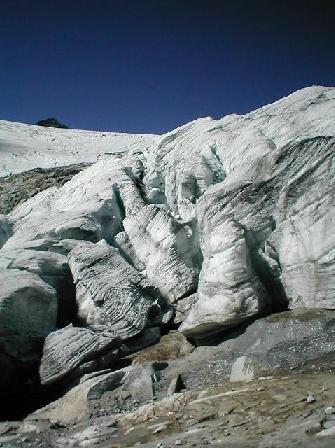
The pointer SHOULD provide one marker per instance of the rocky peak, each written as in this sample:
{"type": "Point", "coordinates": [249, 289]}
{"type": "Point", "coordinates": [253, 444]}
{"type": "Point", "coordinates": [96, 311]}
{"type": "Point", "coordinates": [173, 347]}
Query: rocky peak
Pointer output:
{"type": "Point", "coordinates": [51, 123]}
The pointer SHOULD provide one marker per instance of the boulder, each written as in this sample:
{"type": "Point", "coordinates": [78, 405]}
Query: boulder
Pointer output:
{"type": "Point", "coordinates": [123, 389]}
{"type": "Point", "coordinates": [284, 343]}
{"type": "Point", "coordinates": [138, 381]}
{"type": "Point", "coordinates": [76, 403]}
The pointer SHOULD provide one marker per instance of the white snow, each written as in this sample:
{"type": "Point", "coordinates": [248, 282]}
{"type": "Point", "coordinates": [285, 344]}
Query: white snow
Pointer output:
{"type": "Point", "coordinates": [23, 147]}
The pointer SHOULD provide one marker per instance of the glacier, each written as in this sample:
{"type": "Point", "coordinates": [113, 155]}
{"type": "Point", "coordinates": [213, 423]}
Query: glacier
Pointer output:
{"type": "Point", "coordinates": [202, 228]}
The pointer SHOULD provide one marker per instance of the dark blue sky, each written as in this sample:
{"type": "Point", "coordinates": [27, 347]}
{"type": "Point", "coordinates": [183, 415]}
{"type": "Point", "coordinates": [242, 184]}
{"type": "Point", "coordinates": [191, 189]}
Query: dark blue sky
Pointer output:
{"type": "Point", "coordinates": [149, 66]}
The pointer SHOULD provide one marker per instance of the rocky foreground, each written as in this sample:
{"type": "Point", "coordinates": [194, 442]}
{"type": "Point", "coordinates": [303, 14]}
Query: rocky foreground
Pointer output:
{"type": "Point", "coordinates": [179, 293]}
{"type": "Point", "coordinates": [270, 386]}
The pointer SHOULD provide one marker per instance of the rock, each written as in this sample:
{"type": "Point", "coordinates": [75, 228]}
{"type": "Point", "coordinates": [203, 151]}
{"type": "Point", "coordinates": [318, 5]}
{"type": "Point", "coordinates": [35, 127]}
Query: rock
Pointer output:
{"type": "Point", "coordinates": [51, 122]}
{"type": "Point", "coordinates": [100, 384]}
{"type": "Point", "coordinates": [170, 346]}
{"type": "Point", "coordinates": [285, 340]}
{"type": "Point", "coordinates": [76, 350]}
{"type": "Point", "coordinates": [326, 432]}
{"type": "Point", "coordinates": [109, 291]}
{"type": "Point", "coordinates": [28, 308]}
{"type": "Point", "coordinates": [155, 410]}
{"type": "Point", "coordinates": [204, 367]}
{"type": "Point", "coordinates": [138, 382]}
{"type": "Point", "coordinates": [76, 403]}
{"type": "Point", "coordinates": [175, 386]}
{"type": "Point", "coordinates": [146, 338]}
{"type": "Point", "coordinates": [118, 388]}
{"type": "Point", "coordinates": [262, 413]}
{"type": "Point", "coordinates": [6, 427]}
{"type": "Point", "coordinates": [17, 188]}
{"type": "Point", "coordinates": [297, 339]}
{"type": "Point", "coordinates": [329, 410]}
{"type": "Point", "coordinates": [5, 229]}
{"type": "Point", "coordinates": [241, 370]}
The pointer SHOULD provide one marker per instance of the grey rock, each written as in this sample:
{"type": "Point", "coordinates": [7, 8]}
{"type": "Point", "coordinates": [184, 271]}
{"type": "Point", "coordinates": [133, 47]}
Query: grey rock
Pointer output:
{"type": "Point", "coordinates": [103, 383]}
{"type": "Point", "coordinates": [138, 382]}
{"type": "Point", "coordinates": [117, 389]}
{"type": "Point", "coordinates": [76, 403]}
{"type": "Point", "coordinates": [170, 346]}
{"type": "Point", "coordinates": [327, 432]}
{"type": "Point", "coordinates": [297, 339]}
{"type": "Point", "coordinates": [287, 339]}
{"type": "Point", "coordinates": [241, 370]}
{"type": "Point", "coordinates": [175, 386]}
{"type": "Point", "coordinates": [146, 338]}
{"type": "Point", "coordinates": [5, 229]}
{"type": "Point", "coordinates": [17, 188]}
{"type": "Point", "coordinates": [51, 122]}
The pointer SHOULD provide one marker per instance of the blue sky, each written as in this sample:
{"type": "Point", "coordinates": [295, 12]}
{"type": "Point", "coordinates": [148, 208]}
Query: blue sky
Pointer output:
{"type": "Point", "coordinates": [151, 65]}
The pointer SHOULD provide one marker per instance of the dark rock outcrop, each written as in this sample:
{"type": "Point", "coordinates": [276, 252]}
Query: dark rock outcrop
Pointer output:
{"type": "Point", "coordinates": [17, 188]}
{"type": "Point", "coordinates": [51, 123]}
